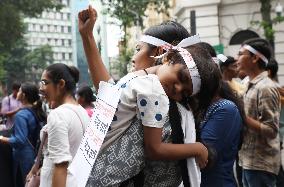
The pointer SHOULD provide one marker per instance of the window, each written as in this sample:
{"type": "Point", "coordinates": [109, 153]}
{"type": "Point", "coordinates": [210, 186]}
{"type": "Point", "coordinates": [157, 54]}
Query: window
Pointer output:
{"type": "Point", "coordinates": [66, 56]}
{"type": "Point", "coordinates": [58, 15]}
{"type": "Point", "coordinates": [64, 16]}
{"type": "Point", "coordinates": [37, 27]}
{"type": "Point", "coordinates": [51, 28]}
{"type": "Point", "coordinates": [59, 56]}
{"type": "Point", "coordinates": [241, 36]}
{"type": "Point", "coordinates": [66, 42]}
{"type": "Point", "coordinates": [45, 28]}
{"type": "Point", "coordinates": [58, 28]}
{"type": "Point", "coordinates": [59, 42]}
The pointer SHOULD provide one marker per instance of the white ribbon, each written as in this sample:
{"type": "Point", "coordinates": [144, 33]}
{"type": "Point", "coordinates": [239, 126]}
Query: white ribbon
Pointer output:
{"type": "Point", "coordinates": [158, 42]}
{"type": "Point", "coordinates": [187, 57]}
{"type": "Point", "coordinates": [257, 53]}
{"type": "Point", "coordinates": [222, 57]}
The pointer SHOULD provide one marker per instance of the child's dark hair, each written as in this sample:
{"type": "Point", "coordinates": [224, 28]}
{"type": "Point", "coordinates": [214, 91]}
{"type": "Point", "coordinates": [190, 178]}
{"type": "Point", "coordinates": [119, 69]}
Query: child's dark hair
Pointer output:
{"type": "Point", "coordinates": [87, 93]}
{"type": "Point", "coordinates": [262, 46]}
{"type": "Point", "coordinates": [70, 74]}
{"type": "Point", "coordinates": [223, 65]}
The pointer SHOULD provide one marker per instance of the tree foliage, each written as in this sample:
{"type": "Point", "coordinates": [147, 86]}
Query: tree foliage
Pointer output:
{"type": "Point", "coordinates": [130, 13]}
{"type": "Point", "coordinates": [23, 65]}
{"type": "Point", "coordinates": [267, 21]}
{"type": "Point", "coordinates": [15, 58]}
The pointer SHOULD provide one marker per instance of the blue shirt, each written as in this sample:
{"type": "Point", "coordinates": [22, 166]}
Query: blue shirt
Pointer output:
{"type": "Point", "coordinates": [24, 129]}
{"type": "Point", "coordinates": [221, 130]}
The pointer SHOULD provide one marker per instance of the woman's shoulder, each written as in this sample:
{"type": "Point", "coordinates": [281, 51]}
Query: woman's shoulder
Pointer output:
{"type": "Point", "coordinates": [65, 108]}
{"type": "Point", "coordinates": [26, 112]}
{"type": "Point", "coordinates": [223, 104]}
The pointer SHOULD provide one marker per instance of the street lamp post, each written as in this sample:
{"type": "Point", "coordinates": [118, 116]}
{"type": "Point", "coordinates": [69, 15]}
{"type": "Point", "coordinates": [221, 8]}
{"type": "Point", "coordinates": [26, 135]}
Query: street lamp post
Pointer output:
{"type": "Point", "coordinates": [278, 9]}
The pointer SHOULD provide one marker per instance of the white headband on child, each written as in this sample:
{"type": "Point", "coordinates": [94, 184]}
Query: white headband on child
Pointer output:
{"type": "Point", "coordinates": [187, 57]}
{"type": "Point", "coordinates": [193, 71]}
{"type": "Point", "coordinates": [257, 53]}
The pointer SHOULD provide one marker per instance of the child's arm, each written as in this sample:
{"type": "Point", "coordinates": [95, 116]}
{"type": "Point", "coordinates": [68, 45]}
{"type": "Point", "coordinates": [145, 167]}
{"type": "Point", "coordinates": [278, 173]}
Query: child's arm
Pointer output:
{"type": "Point", "coordinates": [157, 150]}
{"type": "Point", "coordinates": [87, 19]}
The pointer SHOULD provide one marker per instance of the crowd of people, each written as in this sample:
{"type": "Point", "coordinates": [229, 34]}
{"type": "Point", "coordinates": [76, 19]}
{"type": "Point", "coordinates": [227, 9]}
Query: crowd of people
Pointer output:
{"type": "Point", "coordinates": [186, 116]}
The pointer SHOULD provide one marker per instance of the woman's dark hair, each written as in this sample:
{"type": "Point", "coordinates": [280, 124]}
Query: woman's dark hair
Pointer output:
{"type": "Point", "coordinates": [70, 74]}
{"type": "Point", "coordinates": [87, 93]}
{"type": "Point", "coordinates": [273, 67]}
{"type": "Point", "coordinates": [31, 92]}
{"type": "Point", "coordinates": [262, 46]}
{"type": "Point", "coordinates": [16, 86]}
{"type": "Point", "coordinates": [169, 31]}
{"type": "Point", "coordinates": [207, 70]}
{"type": "Point", "coordinates": [208, 48]}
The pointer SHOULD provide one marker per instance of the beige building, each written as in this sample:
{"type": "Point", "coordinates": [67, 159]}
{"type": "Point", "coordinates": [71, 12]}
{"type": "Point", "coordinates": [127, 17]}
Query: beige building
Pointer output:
{"type": "Point", "coordinates": [225, 23]}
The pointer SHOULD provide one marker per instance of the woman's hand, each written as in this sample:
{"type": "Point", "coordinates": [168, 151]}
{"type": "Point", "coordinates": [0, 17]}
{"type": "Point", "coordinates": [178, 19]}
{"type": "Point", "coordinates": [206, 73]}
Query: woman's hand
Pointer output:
{"type": "Point", "coordinates": [34, 171]}
{"type": "Point", "coordinates": [87, 19]}
{"type": "Point", "coordinates": [202, 157]}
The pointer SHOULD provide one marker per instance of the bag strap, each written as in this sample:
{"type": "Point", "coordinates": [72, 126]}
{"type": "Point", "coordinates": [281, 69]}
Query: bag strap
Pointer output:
{"type": "Point", "coordinates": [77, 116]}
{"type": "Point", "coordinates": [37, 120]}
{"type": "Point", "coordinates": [40, 150]}
{"type": "Point", "coordinates": [9, 103]}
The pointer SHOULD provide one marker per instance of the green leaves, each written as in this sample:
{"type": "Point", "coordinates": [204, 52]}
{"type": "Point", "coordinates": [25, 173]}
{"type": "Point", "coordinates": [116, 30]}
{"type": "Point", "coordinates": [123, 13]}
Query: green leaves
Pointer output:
{"type": "Point", "coordinates": [16, 61]}
{"type": "Point", "coordinates": [130, 13]}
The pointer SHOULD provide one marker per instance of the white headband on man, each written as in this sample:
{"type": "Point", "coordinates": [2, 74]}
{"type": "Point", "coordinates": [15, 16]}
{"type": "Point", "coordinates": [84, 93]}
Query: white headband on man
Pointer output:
{"type": "Point", "coordinates": [257, 53]}
{"type": "Point", "coordinates": [194, 74]}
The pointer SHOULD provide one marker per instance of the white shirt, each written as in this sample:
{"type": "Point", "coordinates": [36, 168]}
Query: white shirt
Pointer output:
{"type": "Point", "coordinates": [65, 127]}
{"type": "Point", "coordinates": [142, 97]}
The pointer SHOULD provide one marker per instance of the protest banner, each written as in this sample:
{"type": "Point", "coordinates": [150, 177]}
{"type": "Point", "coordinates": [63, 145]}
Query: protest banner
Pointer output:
{"type": "Point", "coordinates": [104, 110]}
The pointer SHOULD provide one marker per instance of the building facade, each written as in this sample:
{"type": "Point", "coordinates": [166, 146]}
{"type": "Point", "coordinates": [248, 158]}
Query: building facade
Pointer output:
{"type": "Point", "coordinates": [226, 23]}
{"type": "Point", "coordinates": [55, 29]}
{"type": "Point", "coordinates": [100, 34]}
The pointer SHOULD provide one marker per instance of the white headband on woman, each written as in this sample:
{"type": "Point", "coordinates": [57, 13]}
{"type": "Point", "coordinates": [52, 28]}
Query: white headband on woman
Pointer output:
{"type": "Point", "coordinates": [158, 42]}
{"type": "Point", "coordinates": [257, 53]}
{"type": "Point", "coordinates": [194, 74]}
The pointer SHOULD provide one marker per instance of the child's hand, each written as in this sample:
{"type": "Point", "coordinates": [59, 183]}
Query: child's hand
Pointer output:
{"type": "Point", "coordinates": [202, 158]}
{"type": "Point", "coordinates": [87, 19]}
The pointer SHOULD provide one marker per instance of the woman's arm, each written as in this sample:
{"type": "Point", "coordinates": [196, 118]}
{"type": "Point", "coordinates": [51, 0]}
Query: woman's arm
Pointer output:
{"type": "Point", "coordinates": [157, 150]}
{"type": "Point", "coordinates": [87, 19]}
{"type": "Point", "coordinates": [59, 175]}
{"type": "Point", "coordinates": [20, 133]}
